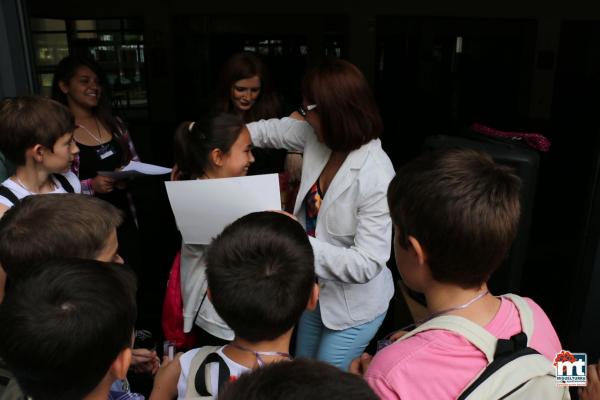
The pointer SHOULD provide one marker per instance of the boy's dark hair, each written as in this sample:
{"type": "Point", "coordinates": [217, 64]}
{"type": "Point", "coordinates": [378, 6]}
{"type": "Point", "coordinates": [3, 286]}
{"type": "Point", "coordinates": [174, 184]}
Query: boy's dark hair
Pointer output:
{"type": "Point", "coordinates": [30, 120]}
{"type": "Point", "coordinates": [54, 225]}
{"type": "Point", "coordinates": [298, 380]}
{"type": "Point", "coordinates": [62, 328]}
{"type": "Point", "coordinates": [463, 209]}
{"type": "Point", "coordinates": [347, 110]}
{"type": "Point", "coordinates": [192, 147]}
{"type": "Point", "coordinates": [260, 271]}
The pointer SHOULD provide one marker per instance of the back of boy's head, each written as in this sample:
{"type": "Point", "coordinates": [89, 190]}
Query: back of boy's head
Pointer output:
{"type": "Point", "coordinates": [298, 380]}
{"type": "Point", "coordinates": [260, 271]}
{"type": "Point", "coordinates": [462, 207]}
{"type": "Point", "coordinates": [30, 120]}
{"type": "Point", "coordinates": [193, 142]}
{"type": "Point", "coordinates": [54, 225]}
{"type": "Point", "coordinates": [62, 328]}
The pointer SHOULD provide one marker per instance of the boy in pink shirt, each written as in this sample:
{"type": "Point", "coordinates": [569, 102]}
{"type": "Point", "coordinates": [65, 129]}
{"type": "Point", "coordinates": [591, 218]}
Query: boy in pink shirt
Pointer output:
{"type": "Point", "coordinates": [455, 215]}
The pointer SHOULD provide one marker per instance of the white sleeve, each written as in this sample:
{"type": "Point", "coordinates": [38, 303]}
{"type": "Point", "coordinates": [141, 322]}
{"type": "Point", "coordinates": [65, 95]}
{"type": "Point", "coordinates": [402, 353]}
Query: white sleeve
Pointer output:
{"type": "Point", "coordinates": [286, 133]}
{"type": "Point", "coordinates": [370, 251]}
{"type": "Point", "coordinates": [74, 181]}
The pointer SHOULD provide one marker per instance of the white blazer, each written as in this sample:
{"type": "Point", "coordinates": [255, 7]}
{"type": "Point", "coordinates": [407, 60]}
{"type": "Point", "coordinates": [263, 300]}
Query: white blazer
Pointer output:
{"type": "Point", "coordinates": [354, 229]}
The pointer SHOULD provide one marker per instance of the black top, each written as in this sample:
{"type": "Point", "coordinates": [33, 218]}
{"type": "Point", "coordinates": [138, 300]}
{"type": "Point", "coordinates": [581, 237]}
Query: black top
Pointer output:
{"type": "Point", "coordinates": [90, 161]}
{"type": "Point", "coordinates": [98, 158]}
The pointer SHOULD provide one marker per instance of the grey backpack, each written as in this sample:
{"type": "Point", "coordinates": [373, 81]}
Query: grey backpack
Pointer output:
{"type": "Point", "coordinates": [198, 385]}
{"type": "Point", "coordinates": [514, 370]}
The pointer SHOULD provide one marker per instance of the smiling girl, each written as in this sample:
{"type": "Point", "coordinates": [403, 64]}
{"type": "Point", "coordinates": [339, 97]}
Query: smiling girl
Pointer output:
{"type": "Point", "coordinates": [217, 148]}
{"type": "Point", "coordinates": [80, 84]}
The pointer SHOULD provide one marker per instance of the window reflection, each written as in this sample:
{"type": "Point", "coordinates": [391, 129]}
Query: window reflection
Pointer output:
{"type": "Point", "coordinates": [116, 44]}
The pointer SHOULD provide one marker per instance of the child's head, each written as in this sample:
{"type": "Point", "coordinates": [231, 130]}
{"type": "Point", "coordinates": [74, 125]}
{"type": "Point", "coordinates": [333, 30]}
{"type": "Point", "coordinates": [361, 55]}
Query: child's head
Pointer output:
{"type": "Point", "coordinates": [261, 275]}
{"type": "Point", "coordinates": [298, 380]}
{"type": "Point", "coordinates": [38, 128]}
{"type": "Point", "coordinates": [461, 209]}
{"type": "Point", "coordinates": [219, 147]}
{"type": "Point", "coordinates": [68, 327]}
{"type": "Point", "coordinates": [57, 225]}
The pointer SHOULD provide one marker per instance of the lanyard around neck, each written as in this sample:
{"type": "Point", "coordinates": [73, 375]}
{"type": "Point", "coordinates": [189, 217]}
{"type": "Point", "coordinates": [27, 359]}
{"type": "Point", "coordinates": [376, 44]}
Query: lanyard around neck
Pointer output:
{"type": "Point", "coordinates": [446, 311]}
{"type": "Point", "coordinates": [96, 138]}
{"type": "Point", "coordinates": [258, 354]}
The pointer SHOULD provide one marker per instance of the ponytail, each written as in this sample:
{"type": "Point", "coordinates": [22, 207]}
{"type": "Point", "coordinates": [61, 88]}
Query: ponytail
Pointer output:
{"type": "Point", "coordinates": [195, 140]}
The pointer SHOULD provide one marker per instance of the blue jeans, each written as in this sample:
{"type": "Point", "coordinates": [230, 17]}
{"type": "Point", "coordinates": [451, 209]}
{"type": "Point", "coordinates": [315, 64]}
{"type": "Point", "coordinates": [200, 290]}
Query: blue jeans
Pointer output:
{"type": "Point", "coordinates": [338, 348]}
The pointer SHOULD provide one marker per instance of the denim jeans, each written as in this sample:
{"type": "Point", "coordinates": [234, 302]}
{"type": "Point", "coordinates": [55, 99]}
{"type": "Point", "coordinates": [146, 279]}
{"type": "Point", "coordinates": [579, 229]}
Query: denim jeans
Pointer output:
{"type": "Point", "coordinates": [338, 348]}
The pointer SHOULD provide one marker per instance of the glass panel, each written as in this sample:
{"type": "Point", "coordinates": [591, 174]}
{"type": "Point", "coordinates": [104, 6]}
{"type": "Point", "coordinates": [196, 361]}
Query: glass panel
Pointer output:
{"type": "Point", "coordinates": [47, 24]}
{"type": "Point", "coordinates": [50, 48]}
{"type": "Point", "coordinates": [133, 38]}
{"type": "Point", "coordinates": [85, 25]}
{"type": "Point", "coordinates": [86, 35]}
{"type": "Point", "coordinates": [133, 25]}
{"type": "Point", "coordinates": [107, 57]}
{"type": "Point", "coordinates": [98, 25]}
{"type": "Point", "coordinates": [45, 81]}
{"type": "Point", "coordinates": [108, 24]}
{"type": "Point", "coordinates": [109, 36]}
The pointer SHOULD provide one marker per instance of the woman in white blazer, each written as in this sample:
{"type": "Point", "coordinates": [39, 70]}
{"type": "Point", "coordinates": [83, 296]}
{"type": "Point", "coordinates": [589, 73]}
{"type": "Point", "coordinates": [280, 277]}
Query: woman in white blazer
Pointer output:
{"type": "Point", "coordinates": [342, 204]}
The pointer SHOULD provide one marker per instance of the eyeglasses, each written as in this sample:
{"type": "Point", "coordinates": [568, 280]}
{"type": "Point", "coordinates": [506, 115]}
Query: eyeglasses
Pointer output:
{"type": "Point", "coordinates": [304, 110]}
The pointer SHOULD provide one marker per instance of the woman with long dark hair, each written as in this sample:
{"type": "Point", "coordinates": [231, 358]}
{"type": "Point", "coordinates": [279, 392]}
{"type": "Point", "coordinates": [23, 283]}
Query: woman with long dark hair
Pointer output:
{"type": "Point", "coordinates": [102, 138]}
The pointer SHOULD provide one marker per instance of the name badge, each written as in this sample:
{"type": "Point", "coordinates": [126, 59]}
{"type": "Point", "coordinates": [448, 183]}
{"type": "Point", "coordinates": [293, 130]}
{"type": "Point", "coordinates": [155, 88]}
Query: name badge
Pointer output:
{"type": "Point", "coordinates": [104, 151]}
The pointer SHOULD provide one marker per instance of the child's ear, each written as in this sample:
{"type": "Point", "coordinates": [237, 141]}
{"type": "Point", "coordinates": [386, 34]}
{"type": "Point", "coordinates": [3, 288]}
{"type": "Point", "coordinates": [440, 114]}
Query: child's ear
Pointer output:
{"type": "Point", "coordinates": [313, 298]}
{"type": "Point", "coordinates": [36, 152]}
{"type": "Point", "coordinates": [120, 365]}
{"type": "Point", "coordinates": [418, 249]}
{"type": "Point", "coordinates": [216, 157]}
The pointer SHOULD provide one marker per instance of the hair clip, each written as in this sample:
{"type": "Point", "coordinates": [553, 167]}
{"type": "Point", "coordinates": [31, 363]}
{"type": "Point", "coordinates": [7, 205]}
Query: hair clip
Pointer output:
{"type": "Point", "coordinates": [191, 126]}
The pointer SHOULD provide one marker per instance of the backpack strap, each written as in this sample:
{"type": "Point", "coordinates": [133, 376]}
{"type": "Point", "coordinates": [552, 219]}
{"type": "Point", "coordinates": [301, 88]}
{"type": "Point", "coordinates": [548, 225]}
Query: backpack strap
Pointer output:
{"type": "Point", "coordinates": [9, 195]}
{"type": "Point", "coordinates": [203, 377]}
{"type": "Point", "coordinates": [478, 336]}
{"type": "Point", "coordinates": [475, 334]}
{"type": "Point", "coordinates": [198, 371]}
{"type": "Point", "coordinates": [64, 183]}
{"type": "Point", "coordinates": [525, 313]}
{"type": "Point", "coordinates": [534, 365]}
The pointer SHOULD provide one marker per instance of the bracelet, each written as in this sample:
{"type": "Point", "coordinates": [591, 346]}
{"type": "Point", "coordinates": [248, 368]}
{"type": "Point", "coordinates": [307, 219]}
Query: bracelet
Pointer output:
{"type": "Point", "coordinates": [295, 152]}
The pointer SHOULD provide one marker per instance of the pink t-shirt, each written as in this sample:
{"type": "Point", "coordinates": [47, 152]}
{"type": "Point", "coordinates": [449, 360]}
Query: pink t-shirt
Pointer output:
{"type": "Point", "coordinates": [439, 364]}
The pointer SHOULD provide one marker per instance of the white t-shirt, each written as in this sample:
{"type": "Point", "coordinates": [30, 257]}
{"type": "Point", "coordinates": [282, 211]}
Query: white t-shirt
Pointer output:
{"type": "Point", "coordinates": [185, 360]}
{"type": "Point", "coordinates": [21, 192]}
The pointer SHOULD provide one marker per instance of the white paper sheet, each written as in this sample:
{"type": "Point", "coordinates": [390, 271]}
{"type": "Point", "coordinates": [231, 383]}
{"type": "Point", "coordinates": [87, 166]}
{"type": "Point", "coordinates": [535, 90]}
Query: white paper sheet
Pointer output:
{"type": "Point", "coordinates": [202, 208]}
{"type": "Point", "coordinates": [135, 168]}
